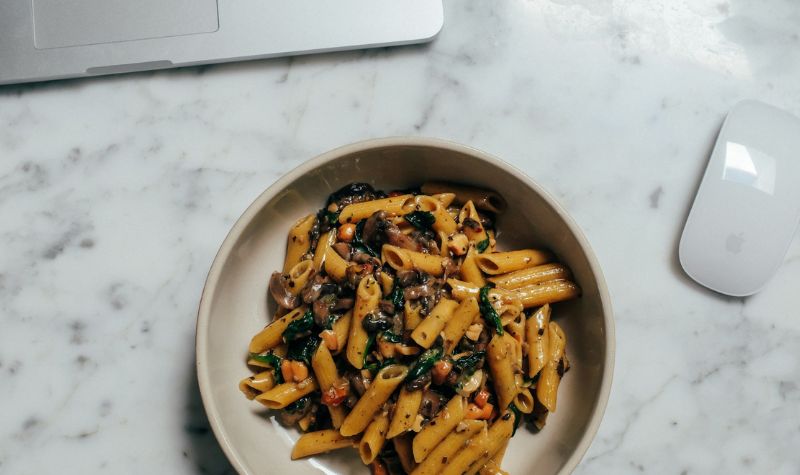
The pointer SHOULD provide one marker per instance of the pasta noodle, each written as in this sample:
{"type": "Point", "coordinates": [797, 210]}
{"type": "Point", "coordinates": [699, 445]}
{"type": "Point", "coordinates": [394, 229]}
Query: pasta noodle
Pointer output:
{"type": "Point", "coordinates": [319, 442]}
{"type": "Point", "coordinates": [399, 320]}
{"type": "Point", "coordinates": [403, 259]}
{"type": "Point", "coordinates": [367, 297]}
{"type": "Point", "coordinates": [405, 412]}
{"type": "Point", "coordinates": [530, 276]}
{"type": "Point", "coordinates": [438, 428]}
{"type": "Point", "coordinates": [373, 439]}
{"type": "Point", "coordinates": [483, 199]}
{"type": "Point", "coordinates": [549, 379]}
{"type": "Point", "coordinates": [272, 334]}
{"type": "Point", "coordinates": [426, 332]}
{"type": "Point", "coordinates": [504, 262]}
{"type": "Point", "coordinates": [378, 393]}
{"type": "Point", "coordinates": [298, 242]}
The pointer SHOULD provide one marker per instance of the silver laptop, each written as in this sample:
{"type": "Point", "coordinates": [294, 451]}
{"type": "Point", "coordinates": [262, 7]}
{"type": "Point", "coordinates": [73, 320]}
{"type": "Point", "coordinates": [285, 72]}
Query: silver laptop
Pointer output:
{"type": "Point", "coordinates": [55, 39]}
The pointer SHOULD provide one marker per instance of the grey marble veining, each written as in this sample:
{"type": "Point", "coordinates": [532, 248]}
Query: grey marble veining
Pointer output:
{"type": "Point", "coordinates": [115, 194]}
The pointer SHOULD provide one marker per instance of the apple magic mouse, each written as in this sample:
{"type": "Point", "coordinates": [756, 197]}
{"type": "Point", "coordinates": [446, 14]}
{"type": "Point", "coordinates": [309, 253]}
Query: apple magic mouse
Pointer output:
{"type": "Point", "coordinates": [747, 207]}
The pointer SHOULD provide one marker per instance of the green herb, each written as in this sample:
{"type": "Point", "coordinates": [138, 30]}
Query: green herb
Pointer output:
{"type": "Point", "coordinates": [367, 349]}
{"type": "Point", "coordinates": [274, 361]}
{"type": "Point", "coordinates": [300, 327]}
{"type": "Point", "coordinates": [303, 350]}
{"type": "Point", "coordinates": [397, 298]}
{"type": "Point", "coordinates": [424, 363]}
{"type": "Point", "coordinates": [328, 219]}
{"type": "Point", "coordinates": [488, 312]}
{"type": "Point", "coordinates": [298, 405]}
{"type": "Point", "coordinates": [517, 417]}
{"type": "Point", "coordinates": [468, 364]}
{"type": "Point", "coordinates": [358, 240]}
{"type": "Point", "coordinates": [375, 367]}
{"type": "Point", "coordinates": [422, 220]}
{"type": "Point", "coordinates": [482, 245]}
{"type": "Point", "coordinates": [391, 337]}
{"type": "Point", "coordinates": [331, 320]}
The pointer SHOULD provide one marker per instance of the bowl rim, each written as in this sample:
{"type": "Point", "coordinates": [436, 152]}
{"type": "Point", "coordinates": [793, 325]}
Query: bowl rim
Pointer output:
{"type": "Point", "coordinates": [222, 255]}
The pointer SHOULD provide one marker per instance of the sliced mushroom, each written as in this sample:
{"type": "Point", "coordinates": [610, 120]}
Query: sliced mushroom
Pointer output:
{"type": "Point", "coordinates": [279, 289]}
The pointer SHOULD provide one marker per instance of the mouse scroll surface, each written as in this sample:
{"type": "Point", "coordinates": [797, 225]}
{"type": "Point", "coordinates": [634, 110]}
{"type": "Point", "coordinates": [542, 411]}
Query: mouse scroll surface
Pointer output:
{"type": "Point", "coordinates": [748, 205]}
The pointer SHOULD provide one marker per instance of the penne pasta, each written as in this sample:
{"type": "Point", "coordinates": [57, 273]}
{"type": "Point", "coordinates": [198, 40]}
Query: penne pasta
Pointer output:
{"type": "Point", "coordinates": [387, 283]}
{"type": "Point", "coordinates": [504, 262]}
{"type": "Point", "coordinates": [443, 222]}
{"type": "Point", "coordinates": [403, 259]}
{"type": "Point", "coordinates": [334, 265]}
{"type": "Point", "coordinates": [299, 275]}
{"type": "Point", "coordinates": [548, 292]}
{"type": "Point", "coordinates": [447, 448]}
{"type": "Point", "coordinates": [367, 296]}
{"type": "Point", "coordinates": [538, 338]}
{"type": "Point", "coordinates": [446, 199]}
{"type": "Point", "coordinates": [469, 270]}
{"type": "Point", "coordinates": [487, 200]}
{"type": "Point", "coordinates": [411, 316]}
{"type": "Point", "coordinates": [272, 335]}
{"type": "Point", "coordinates": [426, 332]}
{"type": "Point", "coordinates": [405, 412]}
{"type": "Point", "coordinates": [549, 378]}
{"type": "Point", "coordinates": [257, 384]}
{"type": "Point", "coordinates": [325, 242]}
{"type": "Point", "coordinates": [298, 242]}
{"type": "Point", "coordinates": [436, 430]}
{"type": "Point", "coordinates": [499, 434]}
{"type": "Point", "coordinates": [492, 468]}
{"type": "Point", "coordinates": [284, 394]}
{"type": "Point", "coordinates": [319, 442]}
{"type": "Point", "coordinates": [462, 290]}
{"type": "Point", "coordinates": [469, 455]}
{"type": "Point", "coordinates": [355, 212]}
{"type": "Point", "coordinates": [500, 355]}
{"type": "Point", "coordinates": [457, 326]}
{"type": "Point", "coordinates": [341, 329]}
{"type": "Point", "coordinates": [402, 445]}
{"type": "Point", "coordinates": [384, 384]}
{"type": "Point", "coordinates": [524, 401]}
{"type": "Point", "coordinates": [471, 224]}
{"type": "Point", "coordinates": [373, 439]}
{"type": "Point", "coordinates": [327, 375]}
{"type": "Point", "coordinates": [530, 276]}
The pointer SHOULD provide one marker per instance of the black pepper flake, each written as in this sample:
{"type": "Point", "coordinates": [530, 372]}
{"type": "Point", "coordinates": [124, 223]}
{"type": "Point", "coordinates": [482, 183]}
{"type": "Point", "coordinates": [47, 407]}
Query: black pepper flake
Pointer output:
{"type": "Point", "coordinates": [541, 331]}
{"type": "Point", "coordinates": [444, 460]}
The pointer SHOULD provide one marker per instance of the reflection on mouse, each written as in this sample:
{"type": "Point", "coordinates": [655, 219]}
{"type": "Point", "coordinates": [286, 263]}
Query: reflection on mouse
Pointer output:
{"type": "Point", "coordinates": [747, 207]}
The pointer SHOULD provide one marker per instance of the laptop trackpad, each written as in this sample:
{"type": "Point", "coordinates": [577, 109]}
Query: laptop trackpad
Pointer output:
{"type": "Point", "coordinates": [59, 23]}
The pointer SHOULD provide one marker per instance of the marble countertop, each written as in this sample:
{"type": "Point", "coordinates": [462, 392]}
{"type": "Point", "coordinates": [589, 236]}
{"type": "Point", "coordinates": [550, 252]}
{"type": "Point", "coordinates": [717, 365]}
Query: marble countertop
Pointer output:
{"type": "Point", "coordinates": [116, 192]}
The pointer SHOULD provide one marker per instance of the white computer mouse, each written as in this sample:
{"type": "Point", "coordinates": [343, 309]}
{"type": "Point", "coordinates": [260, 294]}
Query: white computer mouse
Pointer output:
{"type": "Point", "coordinates": [747, 208]}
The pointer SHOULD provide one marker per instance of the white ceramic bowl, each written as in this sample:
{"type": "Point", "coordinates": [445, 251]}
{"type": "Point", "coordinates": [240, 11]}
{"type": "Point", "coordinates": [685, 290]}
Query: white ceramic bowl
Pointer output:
{"type": "Point", "coordinates": [234, 304]}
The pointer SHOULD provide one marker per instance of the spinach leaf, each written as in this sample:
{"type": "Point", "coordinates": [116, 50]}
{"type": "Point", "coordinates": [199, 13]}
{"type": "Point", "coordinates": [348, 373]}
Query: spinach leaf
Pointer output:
{"type": "Point", "coordinates": [397, 297]}
{"type": "Point", "coordinates": [482, 245]}
{"type": "Point", "coordinates": [391, 337]}
{"type": "Point", "coordinates": [358, 240]}
{"type": "Point", "coordinates": [375, 367]}
{"type": "Point", "coordinates": [367, 349]}
{"type": "Point", "coordinates": [517, 417]}
{"type": "Point", "coordinates": [303, 350]}
{"type": "Point", "coordinates": [299, 328]}
{"type": "Point", "coordinates": [422, 220]}
{"type": "Point", "coordinates": [488, 312]}
{"type": "Point", "coordinates": [468, 364]}
{"type": "Point", "coordinates": [274, 361]}
{"type": "Point", "coordinates": [298, 405]}
{"type": "Point", "coordinates": [424, 363]}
